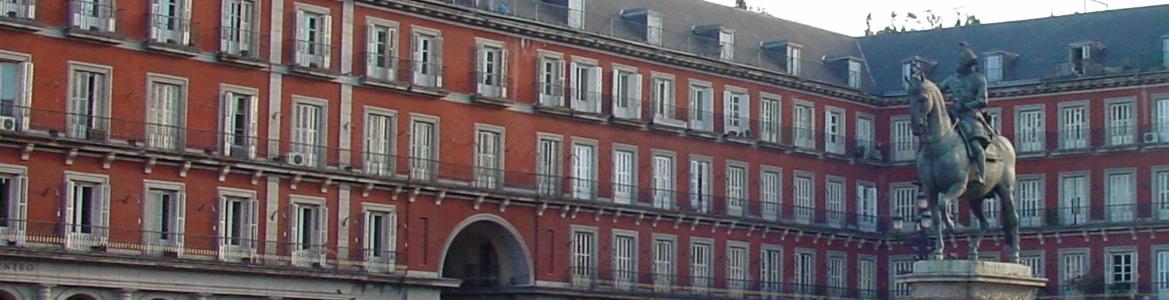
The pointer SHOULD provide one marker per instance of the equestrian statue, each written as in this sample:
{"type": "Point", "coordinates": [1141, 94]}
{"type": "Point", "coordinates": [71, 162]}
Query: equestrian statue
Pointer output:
{"type": "Point", "coordinates": [966, 160]}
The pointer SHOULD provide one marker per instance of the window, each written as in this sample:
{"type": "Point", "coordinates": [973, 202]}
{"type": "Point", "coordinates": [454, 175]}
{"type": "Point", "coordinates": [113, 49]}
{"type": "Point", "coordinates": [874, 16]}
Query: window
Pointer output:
{"type": "Point", "coordinates": [489, 149]}
{"type": "Point", "coordinates": [803, 123]}
{"type": "Point", "coordinates": [905, 204]}
{"type": "Point", "coordinates": [1072, 265]}
{"type": "Point", "coordinates": [1121, 123]}
{"type": "Point", "coordinates": [240, 28]}
{"type": "Point", "coordinates": [834, 195]}
{"type": "Point", "coordinates": [626, 94]}
{"type": "Point", "coordinates": [1165, 52]}
{"type": "Point", "coordinates": [551, 71]}
{"type": "Point", "coordinates": [426, 50]}
{"type": "Point", "coordinates": [994, 68]}
{"type": "Point", "coordinates": [1073, 199]}
{"type": "Point", "coordinates": [624, 176]}
{"type": "Point", "coordinates": [170, 22]}
{"type": "Point", "coordinates": [93, 15]}
{"type": "Point", "coordinates": [491, 78]}
{"type": "Point", "coordinates": [584, 171]}
{"type": "Point", "coordinates": [164, 216]}
{"type": "Point", "coordinates": [584, 263]}
{"type": "Point", "coordinates": [866, 277]}
{"type": "Point", "coordinates": [1081, 57]}
{"type": "Point", "coordinates": [423, 148]}
{"type": "Point", "coordinates": [380, 130]}
{"type": "Point", "coordinates": [736, 265]}
{"type": "Point", "coordinates": [701, 274]}
{"type": "Point", "coordinates": [737, 107]}
{"type": "Point", "coordinates": [793, 60]}
{"type": "Point", "coordinates": [1120, 269]}
{"type": "Point", "coordinates": [805, 206]}
{"type": "Point", "coordinates": [769, 115]}
{"type": "Point", "coordinates": [624, 260]}
{"type": "Point", "coordinates": [1161, 270]}
{"type": "Point", "coordinates": [653, 29]}
{"type": "Point", "coordinates": [585, 86]}
{"type": "Point", "coordinates": [864, 138]}
{"type": "Point", "coordinates": [1074, 126]}
{"type": "Point", "coordinates": [837, 276]}
{"type": "Point", "coordinates": [1121, 196]}
{"type": "Point", "coordinates": [164, 113]}
{"type": "Point", "coordinates": [899, 267]}
{"type": "Point", "coordinates": [726, 44]}
{"type": "Point", "coordinates": [381, 58]}
{"type": "Point", "coordinates": [308, 230]}
{"type": "Point", "coordinates": [18, 9]}
{"type": "Point", "coordinates": [380, 238]}
{"type": "Point", "coordinates": [87, 211]}
{"type": "Point", "coordinates": [771, 270]}
{"type": "Point", "coordinates": [834, 130]}
{"type": "Point", "coordinates": [308, 133]}
{"type": "Point", "coordinates": [906, 72]}
{"type": "Point", "coordinates": [854, 74]}
{"type": "Point", "coordinates": [16, 74]}
{"type": "Point", "coordinates": [576, 14]}
{"type": "Point", "coordinates": [238, 224]}
{"type": "Point", "coordinates": [548, 164]}
{"type": "Point", "coordinates": [663, 264]}
{"type": "Point", "coordinates": [663, 174]}
{"type": "Point", "coordinates": [314, 27]}
{"type": "Point", "coordinates": [736, 189]}
{"type": "Point", "coordinates": [13, 203]}
{"type": "Point", "coordinates": [904, 142]}
{"type": "Point", "coordinates": [89, 93]}
{"type": "Point", "coordinates": [1031, 194]}
{"type": "Point", "coordinates": [770, 185]}
{"type": "Point", "coordinates": [805, 272]}
{"type": "Point", "coordinates": [1161, 120]}
{"type": "Point", "coordinates": [701, 107]}
{"type": "Point", "coordinates": [1161, 193]}
{"type": "Point", "coordinates": [663, 99]}
{"type": "Point", "coordinates": [994, 118]}
{"type": "Point", "coordinates": [866, 203]}
{"type": "Point", "coordinates": [1029, 130]}
{"type": "Point", "coordinates": [700, 185]}
{"type": "Point", "coordinates": [240, 123]}
{"type": "Point", "coordinates": [1035, 262]}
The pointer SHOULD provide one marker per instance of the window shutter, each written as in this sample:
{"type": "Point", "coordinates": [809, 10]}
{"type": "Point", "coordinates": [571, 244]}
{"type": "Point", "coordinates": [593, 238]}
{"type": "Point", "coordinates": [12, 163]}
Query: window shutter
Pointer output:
{"type": "Point", "coordinates": [228, 118]}
{"type": "Point", "coordinates": [222, 228]}
{"type": "Point", "coordinates": [301, 36]}
{"type": "Point", "coordinates": [503, 76]}
{"type": "Point", "coordinates": [480, 75]}
{"type": "Point", "coordinates": [596, 90]}
{"type": "Point", "coordinates": [25, 101]}
{"type": "Point", "coordinates": [437, 60]}
{"type": "Point", "coordinates": [21, 196]}
{"type": "Point", "coordinates": [152, 216]}
{"type": "Point", "coordinates": [186, 28]}
{"type": "Point", "coordinates": [728, 109]}
{"type": "Point", "coordinates": [392, 53]}
{"type": "Point", "coordinates": [391, 228]}
{"type": "Point", "coordinates": [618, 98]}
{"type": "Point", "coordinates": [415, 53]}
{"type": "Point", "coordinates": [558, 89]}
{"type": "Point", "coordinates": [180, 219]}
{"type": "Point", "coordinates": [253, 210]}
{"type": "Point", "coordinates": [323, 231]}
{"type": "Point", "coordinates": [294, 230]}
{"type": "Point", "coordinates": [635, 96]}
{"type": "Point", "coordinates": [573, 86]}
{"type": "Point", "coordinates": [69, 195]}
{"type": "Point", "coordinates": [372, 55]}
{"type": "Point", "coordinates": [327, 41]}
{"type": "Point", "coordinates": [103, 190]}
{"type": "Point", "coordinates": [228, 33]}
{"type": "Point", "coordinates": [111, 20]}
{"type": "Point", "coordinates": [366, 226]}
{"type": "Point", "coordinates": [745, 112]}
{"type": "Point", "coordinates": [253, 116]}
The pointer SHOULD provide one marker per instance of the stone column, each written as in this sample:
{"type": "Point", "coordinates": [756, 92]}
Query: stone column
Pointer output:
{"type": "Point", "coordinates": [45, 292]}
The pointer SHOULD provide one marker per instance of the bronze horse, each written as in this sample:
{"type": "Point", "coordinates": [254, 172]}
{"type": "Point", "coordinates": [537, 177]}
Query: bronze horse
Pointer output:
{"type": "Point", "coordinates": [944, 170]}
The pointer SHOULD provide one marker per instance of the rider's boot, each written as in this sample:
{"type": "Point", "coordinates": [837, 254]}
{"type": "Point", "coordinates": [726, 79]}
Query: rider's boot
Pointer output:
{"type": "Point", "coordinates": [979, 157]}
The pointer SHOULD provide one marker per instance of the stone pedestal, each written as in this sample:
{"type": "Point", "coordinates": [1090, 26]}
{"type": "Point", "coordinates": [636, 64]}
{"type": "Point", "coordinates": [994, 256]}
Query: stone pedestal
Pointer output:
{"type": "Point", "coordinates": [968, 279]}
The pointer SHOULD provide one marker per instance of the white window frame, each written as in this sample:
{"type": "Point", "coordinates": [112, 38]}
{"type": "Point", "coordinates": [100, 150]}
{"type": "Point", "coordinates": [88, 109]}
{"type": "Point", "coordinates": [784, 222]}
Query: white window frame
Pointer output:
{"type": "Point", "coordinates": [737, 265]}
{"type": "Point", "coordinates": [903, 204]}
{"type": "Point", "coordinates": [866, 206]}
{"type": "Point", "coordinates": [381, 57]}
{"type": "Point", "coordinates": [19, 9]}
{"type": "Point", "coordinates": [315, 251]}
{"type": "Point", "coordinates": [834, 204]}
{"type": "Point", "coordinates": [1030, 137]}
{"type": "Point", "coordinates": [866, 276]}
{"type": "Point", "coordinates": [1036, 260]}
{"type": "Point", "coordinates": [162, 131]}
{"type": "Point", "coordinates": [76, 235]}
{"type": "Point", "coordinates": [625, 259]}
{"type": "Point", "coordinates": [576, 14]}
{"type": "Point", "coordinates": [154, 239]}
{"type": "Point", "coordinates": [793, 59]}
{"type": "Point", "coordinates": [383, 256]}
{"type": "Point", "coordinates": [1074, 200]}
{"type": "Point", "coordinates": [549, 169]}
{"type": "Point", "coordinates": [625, 172]}
{"type": "Point", "coordinates": [306, 140]}
{"type": "Point", "coordinates": [855, 72]}
{"type": "Point", "coordinates": [1073, 263]}
{"type": "Point", "coordinates": [665, 183]}
{"type": "Point", "coordinates": [82, 124]}
{"type": "Point", "coordinates": [584, 85]}
{"type": "Point", "coordinates": [98, 15]}
{"type": "Point", "coordinates": [171, 29]}
{"type": "Point", "coordinates": [584, 168]}
{"type": "Point", "coordinates": [490, 155]}
{"type": "Point", "coordinates": [701, 106]}
{"type": "Point", "coordinates": [491, 64]}
{"type": "Point", "coordinates": [901, 136]}
{"type": "Point", "coordinates": [665, 261]}
{"type": "Point", "coordinates": [313, 49]}
{"type": "Point", "coordinates": [803, 196]}
{"type": "Point", "coordinates": [1160, 192]}
{"type": "Point", "coordinates": [1073, 134]}
{"type": "Point", "coordinates": [737, 187]}
{"type": "Point", "coordinates": [899, 265]}
{"type": "Point", "coordinates": [865, 135]}
{"type": "Point", "coordinates": [228, 113]}
{"type": "Point", "coordinates": [1110, 268]}
{"type": "Point", "coordinates": [15, 224]}
{"type": "Point", "coordinates": [771, 118]}
{"type": "Point", "coordinates": [551, 86]}
{"type": "Point", "coordinates": [804, 124]}
{"type": "Point", "coordinates": [726, 44]}
{"type": "Point", "coordinates": [1120, 201]}
{"type": "Point", "coordinates": [771, 192]}
{"type": "Point", "coordinates": [424, 146]}
{"type": "Point", "coordinates": [23, 67]}
{"type": "Point", "coordinates": [995, 119]}
{"type": "Point", "coordinates": [663, 94]}
{"type": "Point", "coordinates": [247, 243]}
{"type": "Point", "coordinates": [804, 270]}
{"type": "Point", "coordinates": [426, 54]}
{"type": "Point", "coordinates": [626, 92]}
{"type": "Point", "coordinates": [379, 140]}
{"type": "Point", "coordinates": [835, 129]}
{"type": "Point", "coordinates": [1121, 118]}
{"type": "Point", "coordinates": [240, 33]}
{"type": "Point", "coordinates": [583, 256]}
{"type": "Point", "coordinates": [1159, 263]}
{"type": "Point", "coordinates": [1031, 203]}
{"type": "Point", "coordinates": [771, 268]}
{"type": "Point", "coordinates": [736, 111]}
{"type": "Point", "coordinates": [701, 264]}
{"type": "Point", "coordinates": [837, 269]}
{"type": "Point", "coordinates": [994, 67]}
{"type": "Point", "coordinates": [701, 185]}
{"type": "Point", "coordinates": [653, 27]}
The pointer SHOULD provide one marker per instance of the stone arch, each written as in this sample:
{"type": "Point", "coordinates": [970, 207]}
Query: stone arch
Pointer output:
{"type": "Point", "coordinates": [486, 235]}
{"type": "Point", "coordinates": [8, 294]}
{"type": "Point", "coordinates": [79, 296]}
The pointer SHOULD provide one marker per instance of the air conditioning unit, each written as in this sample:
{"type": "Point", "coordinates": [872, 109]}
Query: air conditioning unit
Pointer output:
{"type": "Point", "coordinates": [1152, 138]}
{"type": "Point", "coordinates": [298, 159]}
{"type": "Point", "coordinates": [7, 123]}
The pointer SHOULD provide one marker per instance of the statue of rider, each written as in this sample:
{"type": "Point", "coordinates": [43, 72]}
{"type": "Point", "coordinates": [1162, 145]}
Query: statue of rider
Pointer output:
{"type": "Point", "coordinates": [966, 89]}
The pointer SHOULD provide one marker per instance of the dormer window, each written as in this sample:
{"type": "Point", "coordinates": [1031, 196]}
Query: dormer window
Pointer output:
{"type": "Point", "coordinates": [1165, 51]}
{"type": "Point", "coordinates": [786, 52]}
{"type": "Point", "coordinates": [849, 69]}
{"type": "Point", "coordinates": [652, 21]}
{"type": "Point", "coordinates": [994, 68]}
{"type": "Point", "coordinates": [573, 10]}
{"type": "Point", "coordinates": [854, 73]}
{"type": "Point", "coordinates": [793, 59]}
{"type": "Point", "coordinates": [720, 39]}
{"type": "Point", "coordinates": [575, 13]}
{"type": "Point", "coordinates": [1081, 57]}
{"type": "Point", "coordinates": [915, 65]}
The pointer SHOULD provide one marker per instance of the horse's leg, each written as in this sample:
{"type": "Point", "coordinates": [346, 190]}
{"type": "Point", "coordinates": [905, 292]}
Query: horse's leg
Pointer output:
{"type": "Point", "coordinates": [976, 208]}
{"type": "Point", "coordinates": [1010, 217]}
{"type": "Point", "coordinates": [937, 206]}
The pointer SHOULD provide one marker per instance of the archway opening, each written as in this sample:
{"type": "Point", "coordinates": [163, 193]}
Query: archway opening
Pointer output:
{"type": "Point", "coordinates": [81, 297]}
{"type": "Point", "coordinates": [487, 254]}
{"type": "Point", "coordinates": [6, 295]}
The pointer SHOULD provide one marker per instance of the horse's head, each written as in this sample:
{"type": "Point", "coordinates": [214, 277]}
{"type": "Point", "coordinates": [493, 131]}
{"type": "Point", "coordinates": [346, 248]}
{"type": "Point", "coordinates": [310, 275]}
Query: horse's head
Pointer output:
{"type": "Point", "coordinates": [924, 97]}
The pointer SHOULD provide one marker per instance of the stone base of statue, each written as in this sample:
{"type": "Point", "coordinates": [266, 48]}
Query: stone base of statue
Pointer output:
{"type": "Point", "coordinates": [968, 279]}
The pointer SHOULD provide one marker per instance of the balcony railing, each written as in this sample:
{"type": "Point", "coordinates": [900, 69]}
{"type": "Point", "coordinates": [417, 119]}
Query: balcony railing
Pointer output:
{"type": "Point", "coordinates": [491, 85]}
{"type": "Point", "coordinates": [312, 54]}
{"type": "Point", "coordinates": [242, 42]}
{"type": "Point", "coordinates": [92, 15]}
{"type": "Point", "coordinates": [18, 9]}
{"type": "Point", "coordinates": [171, 30]}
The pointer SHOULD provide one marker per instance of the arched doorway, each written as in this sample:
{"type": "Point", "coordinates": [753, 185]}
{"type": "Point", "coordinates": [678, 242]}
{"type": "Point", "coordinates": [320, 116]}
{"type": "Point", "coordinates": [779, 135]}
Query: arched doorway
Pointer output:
{"type": "Point", "coordinates": [81, 297]}
{"type": "Point", "coordinates": [7, 295]}
{"type": "Point", "coordinates": [485, 251]}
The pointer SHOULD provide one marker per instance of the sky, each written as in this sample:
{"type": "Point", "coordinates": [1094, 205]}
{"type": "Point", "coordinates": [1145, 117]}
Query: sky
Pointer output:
{"type": "Point", "coordinates": [848, 17]}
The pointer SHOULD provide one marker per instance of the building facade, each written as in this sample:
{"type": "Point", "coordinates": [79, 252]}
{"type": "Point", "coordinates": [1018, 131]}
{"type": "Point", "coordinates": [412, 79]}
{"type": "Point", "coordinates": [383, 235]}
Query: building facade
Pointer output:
{"type": "Point", "coordinates": [544, 149]}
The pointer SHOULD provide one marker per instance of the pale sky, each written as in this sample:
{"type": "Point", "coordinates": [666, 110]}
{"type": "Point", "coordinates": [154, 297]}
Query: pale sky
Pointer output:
{"type": "Point", "coordinates": [848, 17]}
